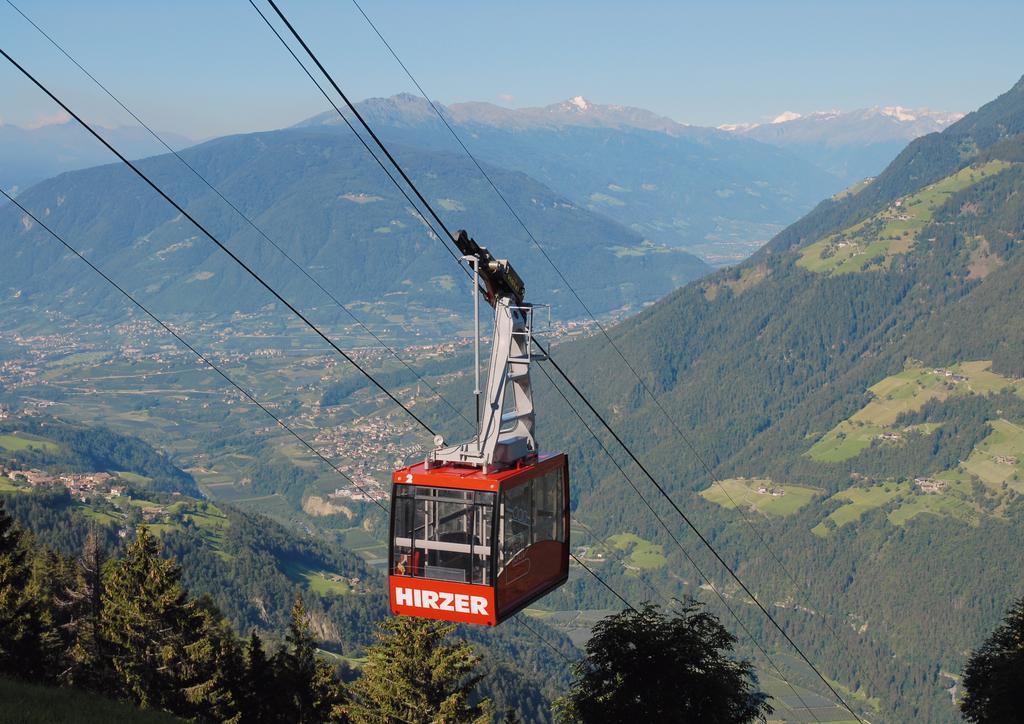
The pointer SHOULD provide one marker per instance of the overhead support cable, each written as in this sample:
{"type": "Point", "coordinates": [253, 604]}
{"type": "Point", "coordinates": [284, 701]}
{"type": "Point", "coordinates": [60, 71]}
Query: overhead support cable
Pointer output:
{"type": "Point", "coordinates": [704, 577]}
{"type": "Point", "coordinates": [237, 211]}
{"type": "Point", "coordinates": [348, 123]}
{"type": "Point", "coordinates": [359, 117]}
{"type": "Point", "coordinates": [604, 583]}
{"type": "Point", "coordinates": [217, 241]}
{"type": "Point", "coordinates": [252, 273]}
{"type": "Point", "coordinates": [521, 619]}
{"type": "Point", "coordinates": [234, 257]}
{"type": "Point", "coordinates": [618, 439]}
{"type": "Point", "coordinates": [206, 360]}
{"type": "Point", "coordinates": [707, 543]}
{"type": "Point", "coordinates": [518, 218]}
{"type": "Point", "coordinates": [672, 422]}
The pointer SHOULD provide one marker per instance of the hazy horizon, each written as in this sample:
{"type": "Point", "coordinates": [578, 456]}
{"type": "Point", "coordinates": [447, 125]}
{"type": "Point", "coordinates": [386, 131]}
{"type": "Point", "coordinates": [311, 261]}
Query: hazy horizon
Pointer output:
{"type": "Point", "coordinates": [735, 63]}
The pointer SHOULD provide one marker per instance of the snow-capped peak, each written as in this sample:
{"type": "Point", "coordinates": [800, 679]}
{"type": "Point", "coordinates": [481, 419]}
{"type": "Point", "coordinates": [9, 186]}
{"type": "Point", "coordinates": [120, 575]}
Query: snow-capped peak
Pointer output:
{"type": "Point", "coordinates": [580, 102]}
{"type": "Point", "coordinates": [899, 113]}
{"type": "Point", "coordinates": [737, 127]}
{"type": "Point", "coordinates": [786, 117]}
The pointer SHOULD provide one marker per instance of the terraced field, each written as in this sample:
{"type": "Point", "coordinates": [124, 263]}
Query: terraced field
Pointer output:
{"type": "Point", "coordinates": [873, 243]}
{"type": "Point", "coordinates": [906, 392]}
{"type": "Point", "coordinates": [858, 501]}
{"type": "Point", "coordinates": [801, 705]}
{"type": "Point", "coordinates": [999, 458]}
{"type": "Point", "coordinates": [905, 502]}
{"type": "Point", "coordinates": [744, 492]}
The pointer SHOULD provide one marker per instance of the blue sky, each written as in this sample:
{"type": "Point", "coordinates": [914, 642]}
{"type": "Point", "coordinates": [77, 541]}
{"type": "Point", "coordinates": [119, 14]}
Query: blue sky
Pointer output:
{"type": "Point", "coordinates": [208, 68]}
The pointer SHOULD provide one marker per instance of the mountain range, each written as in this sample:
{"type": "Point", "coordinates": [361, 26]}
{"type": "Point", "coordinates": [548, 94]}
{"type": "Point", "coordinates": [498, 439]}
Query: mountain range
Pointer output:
{"type": "Point", "coordinates": [856, 388]}
{"type": "Point", "coordinates": [320, 198]}
{"type": "Point", "coordinates": [716, 193]}
{"type": "Point", "coordinates": [699, 189]}
{"type": "Point", "coordinates": [851, 145]}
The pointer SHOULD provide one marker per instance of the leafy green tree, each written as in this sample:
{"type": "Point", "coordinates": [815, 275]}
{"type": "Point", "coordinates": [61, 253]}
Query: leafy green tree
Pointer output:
{"type": "Point", "coordinates": [645, 666]}
{"type": "Point", "coordinates": [994, 677]}
{"type": "Point", "coordinates": [312, 692]}
{"type": "Point", "coordinates": [413, 674]}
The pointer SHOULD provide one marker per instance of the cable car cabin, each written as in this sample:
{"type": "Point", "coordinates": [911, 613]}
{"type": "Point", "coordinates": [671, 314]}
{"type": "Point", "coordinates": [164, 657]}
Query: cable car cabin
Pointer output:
{"type": "Point", "coordinates": [476, 548]}
{"type": "Point", "coordinates": [480, 529]}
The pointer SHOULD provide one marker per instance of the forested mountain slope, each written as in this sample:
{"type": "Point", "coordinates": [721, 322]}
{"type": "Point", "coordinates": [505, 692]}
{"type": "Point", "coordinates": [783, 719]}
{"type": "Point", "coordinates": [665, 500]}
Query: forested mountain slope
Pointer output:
{"type": "Point", "coordinates": [321, 198]}
{"type": "Point", "coordinates": [856, 387]}
{"type": "Point", "coordinates": [249, 566]}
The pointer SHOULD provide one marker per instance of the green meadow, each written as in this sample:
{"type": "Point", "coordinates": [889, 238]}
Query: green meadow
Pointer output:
{"type": "Point", "coordinates": [736, 492]}
{"type": "Point", "coordinates": [643, 554]}
{"type": "Point", "coordinates": [20, 441]}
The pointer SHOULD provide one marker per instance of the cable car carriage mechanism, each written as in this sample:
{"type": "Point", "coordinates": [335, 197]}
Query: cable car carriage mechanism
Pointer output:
{"type": "Point", "coordinates": [480, 530]}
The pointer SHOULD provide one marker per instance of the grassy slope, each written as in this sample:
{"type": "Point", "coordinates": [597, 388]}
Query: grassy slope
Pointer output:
{"type": "Point", "coordinates": [906, 391]}
{"type": "Point", "coordinates": [992, 458]}
{"type": "Point", "coordinates": [21, 702]}
{"type": "Point", "coordinates": [643, 554]}
{"type": "Point", "coordinates": [734, 492]}
{"type": "Point", "coordinates": [17, 442]}
{"type": "Point", "coordinates": [892, 231]}
{"type": "Point", "coordinates": [857, 501]}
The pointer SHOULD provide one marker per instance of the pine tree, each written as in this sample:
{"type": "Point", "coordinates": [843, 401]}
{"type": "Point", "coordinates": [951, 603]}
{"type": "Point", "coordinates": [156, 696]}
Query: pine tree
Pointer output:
{"type": "Point", "coordinates": [50, 577]}
{"type": "Point", "coordinates": [89, 664]}
{"type": "Point", "coordinates": [314, 694]}
{"type": "Point", "coordinates": [212, 670]}
{"type": "Point", "coordinates": [16, 609]}
{"type": "Point", "coordinates": [257, 699]}
{"type": "Point", "coordinates": [145, 612]}
{"type": "Point", "coordinates": [414, 675]}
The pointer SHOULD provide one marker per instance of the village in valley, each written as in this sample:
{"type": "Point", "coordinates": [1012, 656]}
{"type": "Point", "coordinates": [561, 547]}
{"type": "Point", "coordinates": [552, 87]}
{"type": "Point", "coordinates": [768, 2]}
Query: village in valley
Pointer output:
{"type": "Point", "coordinates": [136, 380]}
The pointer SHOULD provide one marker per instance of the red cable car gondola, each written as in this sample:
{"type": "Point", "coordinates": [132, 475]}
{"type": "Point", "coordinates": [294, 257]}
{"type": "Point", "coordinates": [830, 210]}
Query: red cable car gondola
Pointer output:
{"type": "Point", "coordinates": [480, 530]}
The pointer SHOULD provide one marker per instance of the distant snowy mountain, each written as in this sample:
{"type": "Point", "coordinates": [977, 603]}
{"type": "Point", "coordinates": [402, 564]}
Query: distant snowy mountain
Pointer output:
{"type": "Point", "coordinates": [577, 111]}
{"type": "Point", "coordinates": [875, 124]}
{"type": "Point", "coordinates": [848, 144]}
{"type": "Point", "coordinates": [701, 189]}
{"type": "Point", "coordinates": [407, 109]}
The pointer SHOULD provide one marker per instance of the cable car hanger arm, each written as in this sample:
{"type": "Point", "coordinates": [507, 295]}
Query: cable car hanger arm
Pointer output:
{"type": "Point", "coordinates": [502, 439]}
